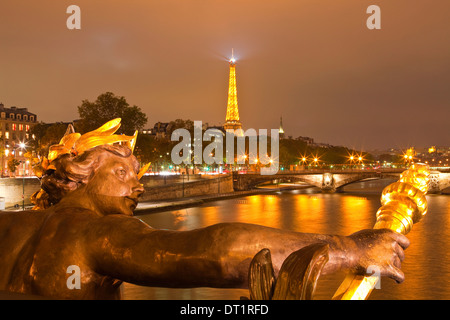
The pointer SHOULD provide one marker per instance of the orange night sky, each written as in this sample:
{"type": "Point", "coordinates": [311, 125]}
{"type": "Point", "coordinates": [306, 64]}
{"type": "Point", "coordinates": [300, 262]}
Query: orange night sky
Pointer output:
{"type": "Point", "coordinates": [312, 62]}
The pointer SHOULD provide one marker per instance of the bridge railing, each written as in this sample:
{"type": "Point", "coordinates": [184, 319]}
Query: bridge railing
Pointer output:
{"type": "Point", "coordinates": [332, 170]}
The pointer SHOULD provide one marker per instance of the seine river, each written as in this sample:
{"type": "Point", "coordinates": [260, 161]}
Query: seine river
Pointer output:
{"type": "Point", "coordinates": [427, 262]}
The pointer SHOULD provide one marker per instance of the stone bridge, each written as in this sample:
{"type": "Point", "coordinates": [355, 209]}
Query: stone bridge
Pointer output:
{"type": "Point", "coordinates": [330, 180]}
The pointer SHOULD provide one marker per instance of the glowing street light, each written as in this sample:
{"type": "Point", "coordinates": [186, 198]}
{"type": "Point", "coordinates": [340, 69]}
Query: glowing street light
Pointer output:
{"type": "Point", "coordinates": [351, 158]}
{"type": "Point", "coordinates": [302, 160]}
{"type": "Point", "coordinates": [409, 155]}
{"type": "Point", "coordinates": [316, 161]}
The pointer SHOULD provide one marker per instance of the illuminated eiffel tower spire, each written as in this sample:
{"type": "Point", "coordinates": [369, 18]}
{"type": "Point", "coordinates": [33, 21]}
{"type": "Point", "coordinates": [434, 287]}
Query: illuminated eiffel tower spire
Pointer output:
{"type": "Point", "coordinates": [232, 120]}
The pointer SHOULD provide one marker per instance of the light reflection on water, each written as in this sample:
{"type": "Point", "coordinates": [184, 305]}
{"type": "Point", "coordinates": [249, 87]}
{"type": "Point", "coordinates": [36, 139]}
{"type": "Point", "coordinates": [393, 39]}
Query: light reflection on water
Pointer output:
{"type": "Point", "coordinates": [427, 262]}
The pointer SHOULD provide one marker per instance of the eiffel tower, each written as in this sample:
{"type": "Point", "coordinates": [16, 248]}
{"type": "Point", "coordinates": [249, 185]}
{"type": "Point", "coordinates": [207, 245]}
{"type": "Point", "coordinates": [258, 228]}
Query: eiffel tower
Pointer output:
{"type": "Point", "coordinates": [232, 122]}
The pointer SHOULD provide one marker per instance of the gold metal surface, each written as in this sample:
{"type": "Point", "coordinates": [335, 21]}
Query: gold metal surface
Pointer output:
{"type": "Point", "coordinates": [143, 170]}
{"type": "Point", "coordinates": [403, 204]}
{"type": "Point", "coordinates": [75, 143]}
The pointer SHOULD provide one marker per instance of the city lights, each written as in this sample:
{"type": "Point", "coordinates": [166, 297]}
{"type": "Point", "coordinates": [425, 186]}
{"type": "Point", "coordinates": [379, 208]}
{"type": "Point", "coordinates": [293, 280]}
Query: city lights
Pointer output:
{"type": "Point", "coordinates": [151, 91]}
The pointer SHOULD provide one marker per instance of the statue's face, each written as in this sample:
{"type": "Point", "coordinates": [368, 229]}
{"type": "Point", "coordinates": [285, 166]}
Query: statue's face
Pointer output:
{"type": "Point", "coordinates": [114, 188]}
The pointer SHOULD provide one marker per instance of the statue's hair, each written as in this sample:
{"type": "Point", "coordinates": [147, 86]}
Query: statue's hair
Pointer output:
{"type": "Point", "coordinates": [72, 172]}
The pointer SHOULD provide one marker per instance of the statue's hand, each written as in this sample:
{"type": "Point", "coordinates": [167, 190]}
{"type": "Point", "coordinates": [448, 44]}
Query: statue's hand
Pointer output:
{"type": "Point", "coordinates": [381, 249]}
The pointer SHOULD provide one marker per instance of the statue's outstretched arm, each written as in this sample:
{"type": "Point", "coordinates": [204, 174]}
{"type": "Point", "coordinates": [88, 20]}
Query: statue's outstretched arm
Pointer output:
{"type": "Point", "coordinates": [215, 256]}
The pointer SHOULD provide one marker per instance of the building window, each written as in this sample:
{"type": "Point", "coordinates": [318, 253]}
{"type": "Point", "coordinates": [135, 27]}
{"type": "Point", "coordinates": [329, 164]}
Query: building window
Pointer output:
{"type": "Point", "coordinates": [7, 135]}
{"type": "Point", "coordinates": [13, 126]}
{"type": "Point", "coordinates": [25, 117]}
{"type": "Point", "coordinates": [20, 127]}
{"type": "Point", "coordinates": [19, 117]}
{"type": "Point", "coordinates": [11, 115]}
{"type": "Point", "coordinates": [3, 115]}
{"type": "Point", "coordinates": [27, 127]}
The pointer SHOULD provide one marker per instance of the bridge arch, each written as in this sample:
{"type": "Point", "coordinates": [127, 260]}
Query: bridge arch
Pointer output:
{"type": "Point", "coordinates": [286, 179]}
{"type": "Point", "coordinates": [332, 180]}
{"type": "Point", "coordinates": [327, 181]}
{"type": "Point", "coordinates": [255, 180]}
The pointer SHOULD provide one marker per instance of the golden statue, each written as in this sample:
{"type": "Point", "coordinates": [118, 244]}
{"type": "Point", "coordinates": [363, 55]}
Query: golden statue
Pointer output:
{"type": "Point", "coordinates": [84, 218]}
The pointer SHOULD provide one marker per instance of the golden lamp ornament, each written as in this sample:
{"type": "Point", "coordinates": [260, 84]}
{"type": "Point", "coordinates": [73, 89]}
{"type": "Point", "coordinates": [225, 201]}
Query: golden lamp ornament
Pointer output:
{"type": "Point", "coordinates": [403, 204]}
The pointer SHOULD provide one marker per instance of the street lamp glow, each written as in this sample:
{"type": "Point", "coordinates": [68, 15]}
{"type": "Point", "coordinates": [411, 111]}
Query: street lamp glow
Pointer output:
{"type": "Point", "coordinates": [303, 158]}
{"type": "Point", "coordinates": [351, 158]}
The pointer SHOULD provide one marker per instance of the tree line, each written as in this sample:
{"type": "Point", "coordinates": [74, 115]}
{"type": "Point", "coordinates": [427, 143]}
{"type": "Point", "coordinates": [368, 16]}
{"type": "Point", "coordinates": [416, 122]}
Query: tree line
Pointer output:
{"type": "Point", "coordinates": [150, 148]}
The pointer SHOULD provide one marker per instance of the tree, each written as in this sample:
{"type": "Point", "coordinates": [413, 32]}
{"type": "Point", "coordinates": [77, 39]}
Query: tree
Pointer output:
{"type": "Point", "coordinates": [146, 148]}
{"type": "Point", "coordinates": [107, 107]}
{"type": "Point", "coordinates": [291, 151]}
{"type": "Point", "coordinates": [46, 135]}
{"type": "Point", "coordinates": [391, 158]}
{"type": "Point", "coordinates": [12, 164]}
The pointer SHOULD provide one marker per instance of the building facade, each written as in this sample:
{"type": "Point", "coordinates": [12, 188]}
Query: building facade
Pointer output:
{"type": "Point", "coordinates": [15, 131]}
{"type": "Point", "coordinates": [159, 131]}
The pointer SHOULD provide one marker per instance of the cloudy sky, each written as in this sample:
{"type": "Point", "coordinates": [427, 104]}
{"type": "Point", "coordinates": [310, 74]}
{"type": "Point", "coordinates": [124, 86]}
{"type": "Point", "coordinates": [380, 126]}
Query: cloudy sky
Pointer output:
{"type": "Point", "coordinates": [315, 63]}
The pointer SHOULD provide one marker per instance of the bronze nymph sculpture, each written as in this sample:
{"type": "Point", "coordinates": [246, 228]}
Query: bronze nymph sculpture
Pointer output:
{"type": "Point", "coordinates": [84, 217]}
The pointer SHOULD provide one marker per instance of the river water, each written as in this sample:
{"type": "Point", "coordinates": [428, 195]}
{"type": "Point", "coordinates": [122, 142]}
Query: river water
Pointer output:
{"type": "Point", "coordinates": [426, 265]}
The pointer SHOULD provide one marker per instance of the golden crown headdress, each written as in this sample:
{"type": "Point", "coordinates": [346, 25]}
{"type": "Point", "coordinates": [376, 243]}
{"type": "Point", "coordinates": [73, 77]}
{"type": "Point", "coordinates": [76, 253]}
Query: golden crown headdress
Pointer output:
{"type": "Point", "coordinates": [74, 143]}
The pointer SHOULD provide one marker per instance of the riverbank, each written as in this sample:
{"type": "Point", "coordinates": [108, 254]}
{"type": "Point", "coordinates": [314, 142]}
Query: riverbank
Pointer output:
{"type": "Point", "coordinates": [158, 206]}
{"type": "Point", "coordinates": [147, 207]}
